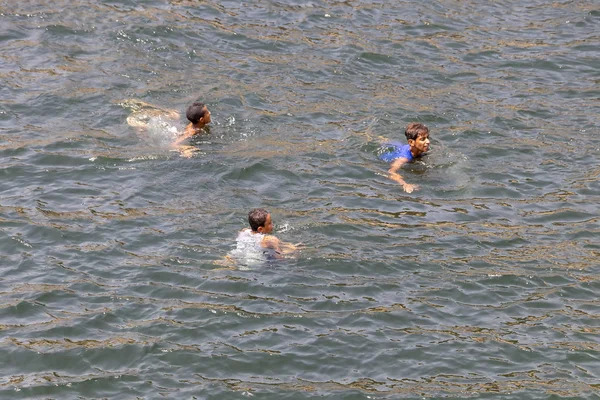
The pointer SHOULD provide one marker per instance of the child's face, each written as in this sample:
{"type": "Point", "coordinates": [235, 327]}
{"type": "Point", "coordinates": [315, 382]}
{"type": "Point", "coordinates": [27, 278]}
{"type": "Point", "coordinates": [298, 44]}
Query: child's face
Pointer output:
{"type": "Point", "coordinates": [420, 144]}
{"type": "Point", "coordinates": [206, 117]}
{"type": "Point", "coordinates": [268, 226]}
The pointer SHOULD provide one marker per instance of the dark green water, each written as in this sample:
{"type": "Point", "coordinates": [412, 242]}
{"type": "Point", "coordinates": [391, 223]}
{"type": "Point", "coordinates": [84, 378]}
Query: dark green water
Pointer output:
{"type": "Point", "coordinates": [483, 284]}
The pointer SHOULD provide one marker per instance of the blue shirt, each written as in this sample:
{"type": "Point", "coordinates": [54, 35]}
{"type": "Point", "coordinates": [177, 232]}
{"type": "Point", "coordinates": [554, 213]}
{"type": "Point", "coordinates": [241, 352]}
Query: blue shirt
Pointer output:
{"type": "Point", "coordinates": [396, 150]}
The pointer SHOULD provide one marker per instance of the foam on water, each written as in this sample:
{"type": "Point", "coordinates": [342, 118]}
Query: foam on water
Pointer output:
{"type": "Point", "coordinates": [161, 131]}
{"type": "Point", "coordinates": [248, 251]}
{"type": "Point", "coordinates": [156, 126]}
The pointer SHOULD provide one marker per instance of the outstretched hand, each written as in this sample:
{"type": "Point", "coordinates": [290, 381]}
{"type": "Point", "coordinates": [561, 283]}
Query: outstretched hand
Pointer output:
{"type": "Point", "coordinates": [408, 188]}
{"type": "Point", "coordinates": [187, 151]}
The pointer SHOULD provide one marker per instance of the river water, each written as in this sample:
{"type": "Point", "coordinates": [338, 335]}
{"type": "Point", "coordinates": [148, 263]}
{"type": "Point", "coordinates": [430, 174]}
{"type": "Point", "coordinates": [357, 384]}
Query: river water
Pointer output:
{"type": "Point", "coordinates": [482, 284]}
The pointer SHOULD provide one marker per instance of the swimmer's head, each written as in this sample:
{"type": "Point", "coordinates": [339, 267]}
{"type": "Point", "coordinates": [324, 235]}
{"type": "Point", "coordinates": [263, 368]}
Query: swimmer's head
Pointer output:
{"type": "Point", "coordinates": [198, 114]}
{"type": "Point", "coordinates": [418, 138]}
{"type": "Point", "coordinates": [415, 129]}
{"type": "Point", "coordinates": [260, 221]}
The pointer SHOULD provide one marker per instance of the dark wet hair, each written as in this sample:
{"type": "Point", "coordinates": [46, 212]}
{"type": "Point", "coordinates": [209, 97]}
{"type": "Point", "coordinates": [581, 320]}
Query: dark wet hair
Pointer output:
{"type": "Point", "coordinates": [414, 130]}
{"type": "Point", "coordinates": [257, 218]}
{"type": "Point", "coordinates": [195, 112]}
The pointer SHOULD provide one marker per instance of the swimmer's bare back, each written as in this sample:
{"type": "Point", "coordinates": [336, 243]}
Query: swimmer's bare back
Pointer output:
{"type": "Point", "coordinates": [142, 112]}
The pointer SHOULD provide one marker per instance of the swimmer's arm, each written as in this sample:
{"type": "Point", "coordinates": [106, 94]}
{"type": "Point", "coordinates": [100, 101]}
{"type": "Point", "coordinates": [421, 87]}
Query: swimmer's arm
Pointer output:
{"type": "Point", "coordinates": [287, 248]}
{"type": "Point", "coordinates": [186, 151]}
{"type": "Point", "coordinates": [271, 242]}
{"type": "Point", "coordinates": [279, 246]}
{"type": "Point", "coordinates": [188, 133]}
{"type": "Point", "coordinates": [395, 176]}
{"type": "Point", "coordinates": [180, 140]}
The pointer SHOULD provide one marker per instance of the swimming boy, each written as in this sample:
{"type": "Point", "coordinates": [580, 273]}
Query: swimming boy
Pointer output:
{"type": "Point", "coordinates": [418, 144]}
{"type": "Point", "coordinates": [257, 241]}
{"type": "Point", "coordinates": [199, 117]}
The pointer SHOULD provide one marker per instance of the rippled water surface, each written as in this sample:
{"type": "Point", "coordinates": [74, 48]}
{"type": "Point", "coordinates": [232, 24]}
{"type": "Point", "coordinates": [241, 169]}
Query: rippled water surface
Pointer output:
{"type": "Point", "coordinates": [482, 284]}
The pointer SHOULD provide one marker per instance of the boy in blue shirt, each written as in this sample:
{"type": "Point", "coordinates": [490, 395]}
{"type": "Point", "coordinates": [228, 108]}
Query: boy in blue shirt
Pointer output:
{"type": "Point", "coordinates": [398, 154]}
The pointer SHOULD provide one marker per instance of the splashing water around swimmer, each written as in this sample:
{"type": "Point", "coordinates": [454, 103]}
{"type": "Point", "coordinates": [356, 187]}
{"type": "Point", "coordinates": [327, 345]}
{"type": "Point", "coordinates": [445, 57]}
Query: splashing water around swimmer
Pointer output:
{"type": "Point", "coordinates": [249, 251]}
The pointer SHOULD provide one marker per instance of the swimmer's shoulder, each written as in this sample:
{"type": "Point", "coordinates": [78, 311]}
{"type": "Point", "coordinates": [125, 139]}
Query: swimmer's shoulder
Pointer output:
{"type": "Point", "coordinates": [191, 130]}
{"type": "Point", "coordinates": [270, 242]}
